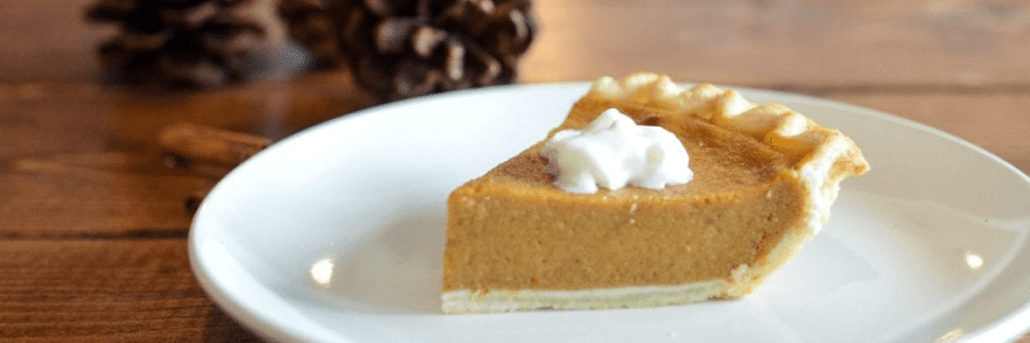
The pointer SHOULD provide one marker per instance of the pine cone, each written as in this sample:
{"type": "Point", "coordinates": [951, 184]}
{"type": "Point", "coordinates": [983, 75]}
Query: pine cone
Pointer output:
{"type": "Point", "coordinates": [178, 43]}
{"type": "Point", "coordinates": [404, 48]}
{"type": "Point", "coordinates": [309, 23]}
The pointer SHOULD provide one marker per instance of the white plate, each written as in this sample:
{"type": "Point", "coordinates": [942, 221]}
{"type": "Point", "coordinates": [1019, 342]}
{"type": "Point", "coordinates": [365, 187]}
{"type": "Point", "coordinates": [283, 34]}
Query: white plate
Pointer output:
{"type": "Point", "coordinates": [336, 235]}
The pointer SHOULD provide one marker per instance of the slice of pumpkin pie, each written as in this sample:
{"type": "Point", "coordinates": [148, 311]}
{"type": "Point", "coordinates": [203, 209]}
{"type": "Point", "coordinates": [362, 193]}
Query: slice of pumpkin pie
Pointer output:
{"type": "Point", "coordinates": [610, 212]}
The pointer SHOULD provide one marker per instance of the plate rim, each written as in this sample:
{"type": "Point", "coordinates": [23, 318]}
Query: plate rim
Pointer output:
{"type": "Point", "coordinates": [1006, 328]}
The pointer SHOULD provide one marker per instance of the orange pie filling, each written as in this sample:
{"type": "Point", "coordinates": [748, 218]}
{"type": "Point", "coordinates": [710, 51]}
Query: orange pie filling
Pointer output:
{"type": "Point", "coordinates": [515, 241]}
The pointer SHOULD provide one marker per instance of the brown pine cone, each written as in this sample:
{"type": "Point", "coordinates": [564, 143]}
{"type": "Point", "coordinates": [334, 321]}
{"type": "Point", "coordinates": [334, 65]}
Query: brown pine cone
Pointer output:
{"type": "Point", "coordinates": [309, 23]}
{"type": "Point", "coordinates": [403, 48]}
{"type": "Point", "coordinates": [178, 43]}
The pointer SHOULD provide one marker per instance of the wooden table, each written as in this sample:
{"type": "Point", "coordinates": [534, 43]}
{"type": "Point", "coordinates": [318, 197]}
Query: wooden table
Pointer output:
{"type": "Point", "coordinates": [92, 223]}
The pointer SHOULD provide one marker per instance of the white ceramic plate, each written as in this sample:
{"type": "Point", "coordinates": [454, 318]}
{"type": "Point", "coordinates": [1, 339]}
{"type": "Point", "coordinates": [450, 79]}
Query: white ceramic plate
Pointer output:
{"type": "Point", "coordinates": [336, 235]}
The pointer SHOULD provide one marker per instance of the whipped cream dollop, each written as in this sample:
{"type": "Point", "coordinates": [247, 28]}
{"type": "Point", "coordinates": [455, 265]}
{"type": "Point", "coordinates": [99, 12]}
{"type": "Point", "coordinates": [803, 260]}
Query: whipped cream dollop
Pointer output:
{"type": "Point", "coordinates": [612, 152]}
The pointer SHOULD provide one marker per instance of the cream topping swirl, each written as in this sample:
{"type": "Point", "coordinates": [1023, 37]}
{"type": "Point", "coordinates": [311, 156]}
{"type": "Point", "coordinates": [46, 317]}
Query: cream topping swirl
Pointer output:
{"type": "Point", "coordinates": [613, 152]}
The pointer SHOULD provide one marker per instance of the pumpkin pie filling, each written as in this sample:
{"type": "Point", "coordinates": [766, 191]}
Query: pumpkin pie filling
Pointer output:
{"type": "Point", "coordinates": [515, 241]}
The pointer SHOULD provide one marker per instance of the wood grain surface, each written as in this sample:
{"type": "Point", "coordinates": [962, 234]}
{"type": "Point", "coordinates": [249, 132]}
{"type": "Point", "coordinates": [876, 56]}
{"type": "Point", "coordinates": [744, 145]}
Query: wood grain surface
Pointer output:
{"type": "Point", "coordinates": [93, 225]}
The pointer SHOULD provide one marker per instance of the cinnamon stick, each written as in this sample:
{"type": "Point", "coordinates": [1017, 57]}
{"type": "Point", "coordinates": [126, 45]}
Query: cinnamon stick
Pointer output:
{"type": "Point", "coordinates": [191, 143]}
{"type": "Point", "coordinates": [207, 151]}
{"type": "Point", "coordinates": [192, 202]}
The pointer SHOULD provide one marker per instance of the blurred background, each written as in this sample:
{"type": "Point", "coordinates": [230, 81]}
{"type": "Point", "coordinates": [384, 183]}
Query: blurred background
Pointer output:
{"type": "Point", "coordinates": [93, 225]}
{"type": "Point", "coordinates": [959, 60]}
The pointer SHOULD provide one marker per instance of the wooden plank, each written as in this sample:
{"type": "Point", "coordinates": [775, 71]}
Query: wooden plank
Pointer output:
{"type": "Point", "coordinates": [90, 153]}
{"type": "Point", "coordinates": [734, 42]}
{"type": "Point", "coordinates": [47, 40]}
{"type": "Point", "coordinates": [112, 290]}
{"type": "Point", "coordinates": [795, 42]}
{"type": "Point", "coordinates": [995, 122]}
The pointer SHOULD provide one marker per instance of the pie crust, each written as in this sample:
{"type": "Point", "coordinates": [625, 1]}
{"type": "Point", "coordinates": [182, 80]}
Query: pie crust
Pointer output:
{"type": "Point", "coordinates": [765, 179]}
